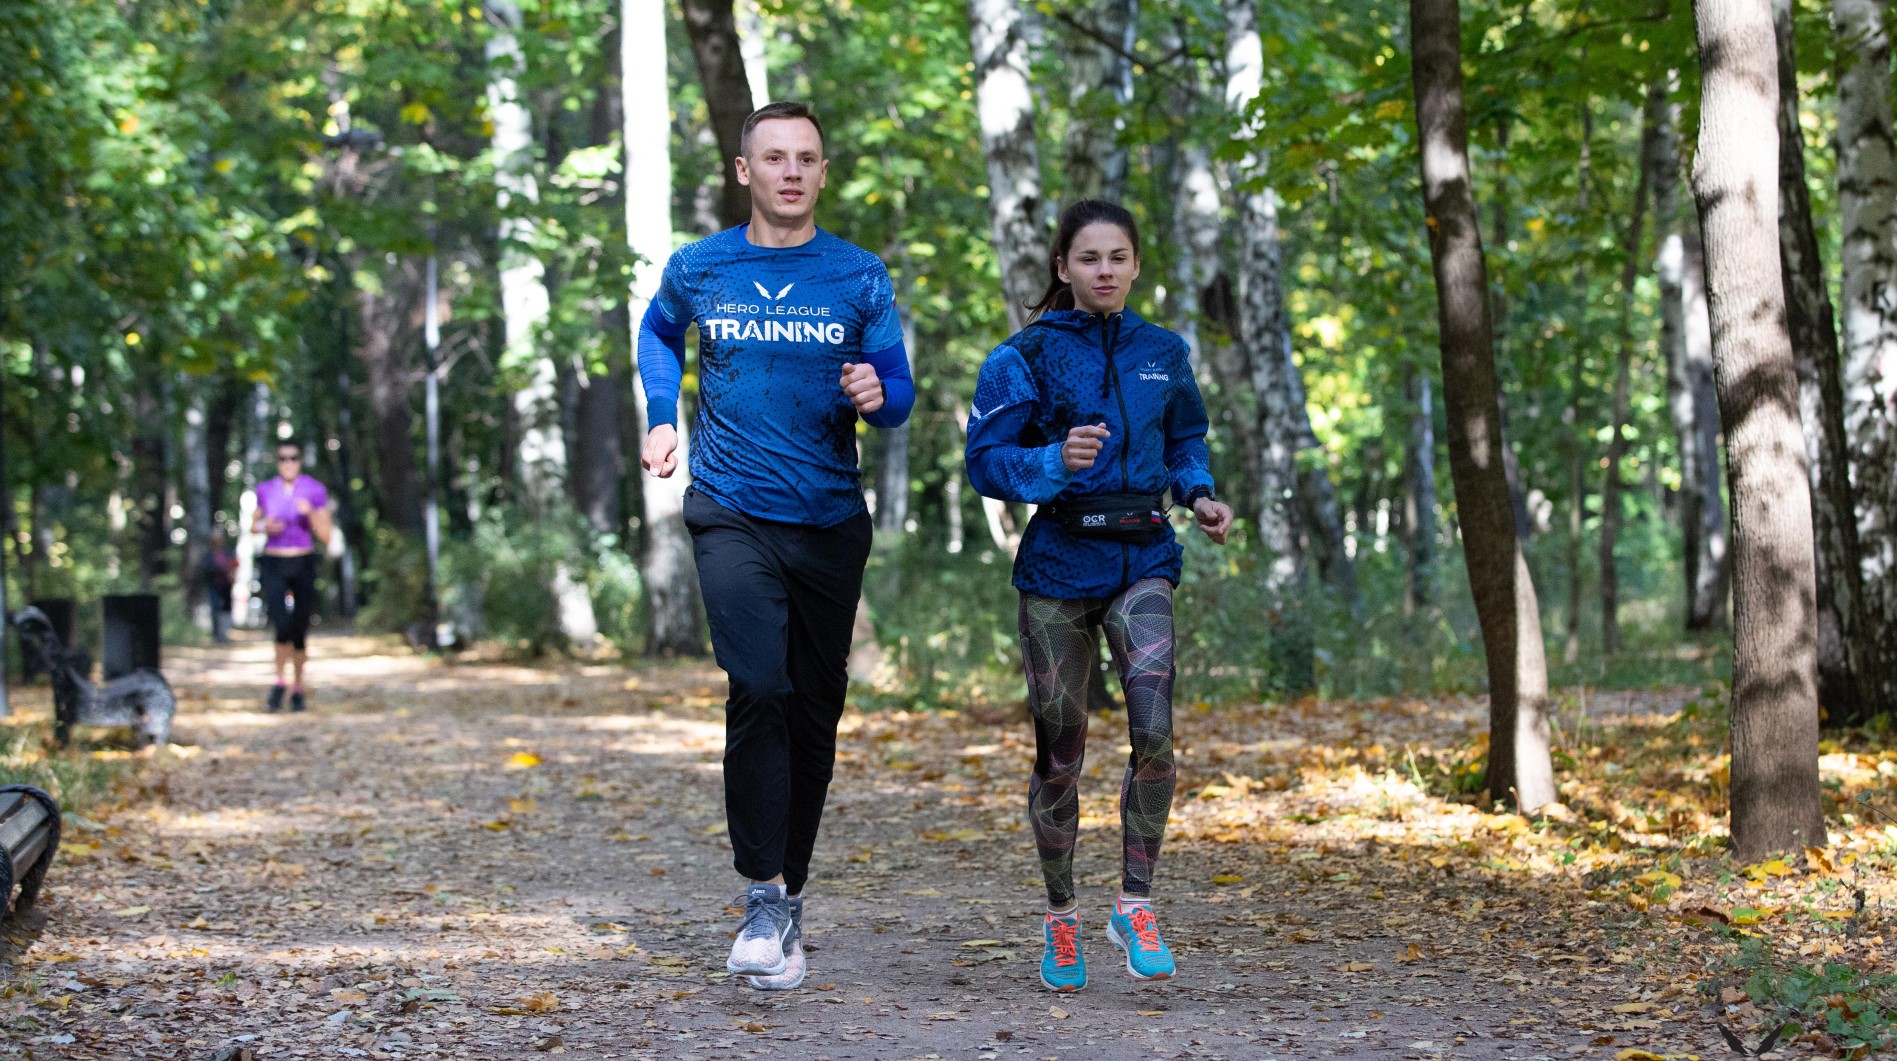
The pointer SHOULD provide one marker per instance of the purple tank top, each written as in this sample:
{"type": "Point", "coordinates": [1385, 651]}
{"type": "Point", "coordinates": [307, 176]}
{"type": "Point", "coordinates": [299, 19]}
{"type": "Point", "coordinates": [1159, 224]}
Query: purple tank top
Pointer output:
{"type": "Point", "coordinates": [278, 500]}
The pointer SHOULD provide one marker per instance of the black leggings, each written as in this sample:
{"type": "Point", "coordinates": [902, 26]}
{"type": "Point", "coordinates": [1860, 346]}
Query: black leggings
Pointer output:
{"type": "Point", "coordinates": [294, 576]}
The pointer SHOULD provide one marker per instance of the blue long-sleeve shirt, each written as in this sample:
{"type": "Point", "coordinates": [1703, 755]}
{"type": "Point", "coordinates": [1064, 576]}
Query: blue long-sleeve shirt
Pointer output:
{"type": "Point", "coordinates": [775, 436]}
{"type": "Point", "coordinates": [1054, 376]}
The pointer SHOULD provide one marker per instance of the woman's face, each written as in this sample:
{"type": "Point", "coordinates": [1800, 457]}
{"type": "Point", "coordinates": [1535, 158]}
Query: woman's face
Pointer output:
{"type": "Point", "coordinates": [1100, 266]}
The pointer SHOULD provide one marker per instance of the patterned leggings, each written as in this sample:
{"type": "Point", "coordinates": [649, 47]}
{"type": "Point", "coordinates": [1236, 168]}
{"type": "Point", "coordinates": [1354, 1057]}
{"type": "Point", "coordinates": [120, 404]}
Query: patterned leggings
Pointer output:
{"type": "Point", "coordinates": [1057, 642]}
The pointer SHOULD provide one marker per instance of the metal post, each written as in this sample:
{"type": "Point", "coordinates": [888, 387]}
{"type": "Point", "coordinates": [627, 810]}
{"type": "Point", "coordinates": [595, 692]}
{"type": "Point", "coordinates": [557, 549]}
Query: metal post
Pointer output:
{"type": "Point", "coordinates": [431, 412]}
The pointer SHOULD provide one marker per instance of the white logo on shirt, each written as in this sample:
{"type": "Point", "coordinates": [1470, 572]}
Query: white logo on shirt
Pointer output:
{"type": "Point", "coordinates": [976, 413]}
{"type": "Point", "coordinates": [1152, 372]}
{"type": "Point", "coordinates": [766, 292]}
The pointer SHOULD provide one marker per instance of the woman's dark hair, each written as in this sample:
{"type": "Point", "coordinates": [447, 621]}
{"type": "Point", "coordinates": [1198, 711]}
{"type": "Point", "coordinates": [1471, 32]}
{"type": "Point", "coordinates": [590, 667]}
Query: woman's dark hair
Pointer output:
{"type": "Point", "coordinates": [1060, 294]}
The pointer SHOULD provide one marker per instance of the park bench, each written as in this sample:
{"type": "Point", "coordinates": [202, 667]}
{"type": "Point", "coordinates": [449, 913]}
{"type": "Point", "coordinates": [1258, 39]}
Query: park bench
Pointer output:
{"type": "Point", "coordinates": [29, 837]}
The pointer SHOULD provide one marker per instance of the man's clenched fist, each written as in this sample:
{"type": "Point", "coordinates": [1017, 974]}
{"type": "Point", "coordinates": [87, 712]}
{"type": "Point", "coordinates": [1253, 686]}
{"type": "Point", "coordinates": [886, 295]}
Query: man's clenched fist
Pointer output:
{"type": "Point", "coordinates": [660, 454]}
{"type": "Point", "coordinates": [863, 387]}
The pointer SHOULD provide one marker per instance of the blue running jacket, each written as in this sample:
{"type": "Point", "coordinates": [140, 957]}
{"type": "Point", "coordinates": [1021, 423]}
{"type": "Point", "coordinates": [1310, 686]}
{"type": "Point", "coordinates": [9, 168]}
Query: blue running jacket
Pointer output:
{"type": "Point", "coordinates": [1069, 369]}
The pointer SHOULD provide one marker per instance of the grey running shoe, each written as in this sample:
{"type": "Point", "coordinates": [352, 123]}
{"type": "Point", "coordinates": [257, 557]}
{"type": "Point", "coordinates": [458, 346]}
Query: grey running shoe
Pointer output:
{"type": "Point", "coordinates": [763, 935]}
{"type": "Point", "coordinates": [793, 973]}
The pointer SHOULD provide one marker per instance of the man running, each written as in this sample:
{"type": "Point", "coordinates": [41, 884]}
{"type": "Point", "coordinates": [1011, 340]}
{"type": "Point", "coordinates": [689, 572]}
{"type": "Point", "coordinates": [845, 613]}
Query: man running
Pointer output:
{"type": "Point", "coordinates": [798, 336]}
{"type": "Point", "coordinates": [293, 511]}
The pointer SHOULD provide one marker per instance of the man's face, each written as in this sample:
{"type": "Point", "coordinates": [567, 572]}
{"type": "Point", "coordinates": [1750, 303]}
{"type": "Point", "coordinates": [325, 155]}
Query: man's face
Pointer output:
{"type": "Point", "coordinates": [289, 462]}
{"type": "Point", "coordinates": [784, 169]}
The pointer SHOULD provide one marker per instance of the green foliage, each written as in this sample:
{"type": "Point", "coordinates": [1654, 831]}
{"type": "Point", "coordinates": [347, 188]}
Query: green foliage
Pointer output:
{"type": "Point", "coordinates": [1856, 1008]}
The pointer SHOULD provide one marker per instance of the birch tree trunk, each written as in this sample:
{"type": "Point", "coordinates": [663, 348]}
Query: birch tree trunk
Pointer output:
{"type": "Point", "coordinates": [542, 467]}
{"type": "Point", "coordinates": [1100, 86]}
{"type": "Point", "coordinates": [1848, 653]}
{"type": "Point", "coordinates": [1776, 803]}
{"type": "Point", "coordinates": [1263, 334]}
{"type": "Point", "coordinates": [892, 472]}
{"type": "Point", "coordinates": [1004, 102]}
{"type": "Point", "coordinates": [1195, 240]}
{"type": "Point", "coordinates": [1519, 764]}
{"type": "Point", "coordinates": [1867, 205]}
{"type": "Point", "coordinates": [721, 67]}
{"type": "Point", "coordinates": [752, 31]}
{"type": "Point", "coordinates": [670, 579]}
{"type": "Point", "coordinates": [1632, 240]}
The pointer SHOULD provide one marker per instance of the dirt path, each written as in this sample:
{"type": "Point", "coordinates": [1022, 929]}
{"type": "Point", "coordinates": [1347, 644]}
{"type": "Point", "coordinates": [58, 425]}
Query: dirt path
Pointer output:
{"type": "Point", "coordinates": [489, 861]}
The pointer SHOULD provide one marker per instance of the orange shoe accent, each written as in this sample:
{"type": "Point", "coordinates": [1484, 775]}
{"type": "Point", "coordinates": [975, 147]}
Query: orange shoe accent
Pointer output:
{"type": "Point", "coordinates": [1066, 941]}
{"type": "Point", "coordinates": [1145, 928]}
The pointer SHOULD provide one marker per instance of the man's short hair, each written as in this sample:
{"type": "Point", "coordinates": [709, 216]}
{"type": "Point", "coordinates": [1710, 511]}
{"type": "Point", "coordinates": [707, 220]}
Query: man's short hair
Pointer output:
{"type": "Point", "coordinates": [290, 443]}
{"type": "Point", "coordinates": [773, 112]}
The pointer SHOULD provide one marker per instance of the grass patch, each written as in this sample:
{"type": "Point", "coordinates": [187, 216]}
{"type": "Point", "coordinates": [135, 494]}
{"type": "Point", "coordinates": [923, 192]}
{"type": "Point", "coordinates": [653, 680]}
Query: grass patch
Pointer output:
{"type": "Point", "coordinates": [79, 777]}
{"type": "Point", "coordinates": [1855, 1009]}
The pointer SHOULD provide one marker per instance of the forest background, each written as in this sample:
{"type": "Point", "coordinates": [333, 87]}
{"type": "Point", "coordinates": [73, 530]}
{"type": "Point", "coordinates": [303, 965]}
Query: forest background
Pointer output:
{"type": "Point", "coordinates": [413, 235]}
{"type": "Point", "coordinates": [403, 232]}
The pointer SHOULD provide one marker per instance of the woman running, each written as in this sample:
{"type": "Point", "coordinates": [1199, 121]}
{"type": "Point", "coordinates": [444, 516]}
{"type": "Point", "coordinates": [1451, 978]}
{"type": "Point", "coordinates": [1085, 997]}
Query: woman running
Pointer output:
{"type": "Point", "coordinates": [1092, 414]}
{"type": "Point", "coordinates": [293, 510]}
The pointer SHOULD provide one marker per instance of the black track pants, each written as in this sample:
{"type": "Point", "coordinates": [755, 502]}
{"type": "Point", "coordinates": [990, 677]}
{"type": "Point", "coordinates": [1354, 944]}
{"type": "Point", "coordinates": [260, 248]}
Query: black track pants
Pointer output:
{"type": "Point", "coordinates": [781, 599]}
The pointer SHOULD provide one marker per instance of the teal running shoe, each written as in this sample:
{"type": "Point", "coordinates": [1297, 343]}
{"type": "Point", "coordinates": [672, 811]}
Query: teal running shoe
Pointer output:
{"type": "Point", "coordinates": [1136, 933]}
{"type": "Point", "coordinates": [1062, 967]}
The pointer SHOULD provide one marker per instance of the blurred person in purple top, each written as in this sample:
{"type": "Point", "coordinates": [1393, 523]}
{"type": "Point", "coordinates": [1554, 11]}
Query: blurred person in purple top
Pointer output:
{"type": "Point", "coordinates": [293, 512]}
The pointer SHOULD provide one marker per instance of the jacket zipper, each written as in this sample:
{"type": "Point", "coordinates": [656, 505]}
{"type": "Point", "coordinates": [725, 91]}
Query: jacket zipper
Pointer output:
{"type": "Point", "coordinates": [1109, 330]}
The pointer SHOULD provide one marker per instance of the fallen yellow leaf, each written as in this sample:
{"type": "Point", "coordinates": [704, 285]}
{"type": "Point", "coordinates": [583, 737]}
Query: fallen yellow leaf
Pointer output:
{"type": "Point", "coordinates": [1356, 967]}
{"type": "Point", "coordinates": [544, 1002]}
{"type": "Point", "coordinates": [1228, 878]}
{"type": "Point", "coordinates": [1634, 1007]}
{"type": "Point", "coordinates": [522, 760]}
{"type": "Point", "coordinates": [1057, 1013]}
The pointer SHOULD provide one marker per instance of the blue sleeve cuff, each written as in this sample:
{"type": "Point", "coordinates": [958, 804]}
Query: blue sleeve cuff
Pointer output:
{"type": "Point", "coordinates": [1054, 469]}
{"type": "Point", "coordinates": [899, 391]}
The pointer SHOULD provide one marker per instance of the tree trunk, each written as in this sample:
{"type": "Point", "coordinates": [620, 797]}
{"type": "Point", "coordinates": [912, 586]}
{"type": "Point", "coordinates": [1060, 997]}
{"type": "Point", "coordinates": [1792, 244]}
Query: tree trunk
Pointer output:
{"type": "Point", "coordinates": [1776, 802]}
{"type": "Point", "coordinates": [752, 31]}
{"type": "Point", "coordinates": [1195, 240]}
{"type": "Point", "coordinates": [892, 472]}
{"type": "Point", "coordinates": [1712, 570]}
{"type": "Point", "coordinates": [1519, 765]}
{"type": "Point", "coordinates": [220, 411]}
{"type": "Point", "coordinates": [399, 489]}
{"type": "Point", "coordinates": [1100, 69]}
{"type": "Point", "coordinates": [197, 502]}
{"type": "Point", "coordinates": [1867, 205]}
{"type": "Point", "coordinates": [525, 306]}
{"type": "Point", "coordinates": [1632, 240]}
{"type": "Point", "coordinates": [151, 515]}
{"type": "Point", "coordinates": [1419, 493]}
{"type": "Point", "coordinates": [1577, 416]}
{"type": "Point", "coordinates": [670, 579]}
{"type": "Point", "coordinates": [1005, 102]}
{"type": "Point", "coordinates": [1263, 334]}
{"type": "Point", "coordinates": [721, 68]}
{"type": "Point", "coordinates": [600, 463]}
{"type": "Point", "coordinates": [1848, 654]}
{"type": "Point", "coordinates": [1498, 308]}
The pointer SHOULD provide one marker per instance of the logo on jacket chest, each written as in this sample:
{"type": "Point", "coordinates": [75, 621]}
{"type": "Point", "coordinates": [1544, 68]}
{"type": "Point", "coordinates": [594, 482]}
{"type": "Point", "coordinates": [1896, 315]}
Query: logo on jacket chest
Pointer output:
{"type": "Point", "coordinates": [1152, 372]}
